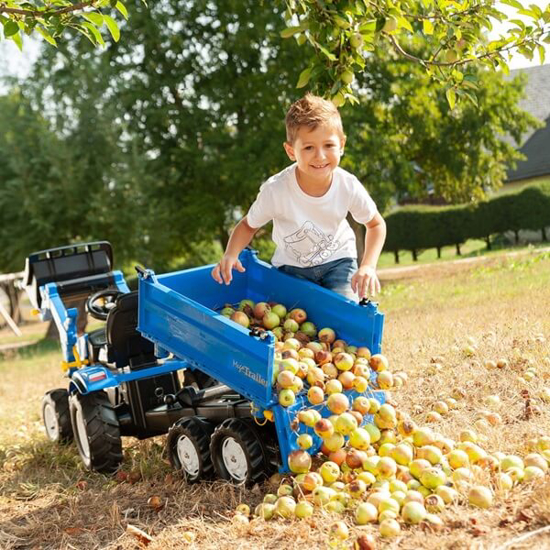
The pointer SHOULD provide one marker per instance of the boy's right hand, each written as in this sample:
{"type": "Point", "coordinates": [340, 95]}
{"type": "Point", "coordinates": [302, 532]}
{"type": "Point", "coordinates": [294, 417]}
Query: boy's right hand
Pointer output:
{"type": "Point", "coordinates": [222, 273]}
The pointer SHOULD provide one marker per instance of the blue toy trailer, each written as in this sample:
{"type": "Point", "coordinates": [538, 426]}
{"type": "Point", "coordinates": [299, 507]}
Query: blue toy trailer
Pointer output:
{"type": "Point", "coordinates": [241, 431]}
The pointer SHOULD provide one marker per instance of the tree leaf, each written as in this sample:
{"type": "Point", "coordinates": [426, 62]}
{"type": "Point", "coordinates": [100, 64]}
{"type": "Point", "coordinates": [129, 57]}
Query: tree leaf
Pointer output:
{"type": "Point", "coordinates": [451, 98]}
{"type": "Point", "coordinates": [290, 31]}
{"type": "Point", "coordinates": [304, 77]}
{"type": "Point", "coordinates": [94, 18]}
{"type": "Point", "coordinates": [404, 24]}
{"type": "Point", "coordinates": [427, 27]}
{"type": "Point", "coordinates": [96, 35]}
{"type": "Point", "coordinates": [113, 27]}
{"type": "Point", "coordinates": [46, 35]}
{"type": "Point", "coordinates": [122, 9]}
{"type": "Point", "coordinates": [11, 28]}
{"type": "Point", "coordinates": [542, 53]}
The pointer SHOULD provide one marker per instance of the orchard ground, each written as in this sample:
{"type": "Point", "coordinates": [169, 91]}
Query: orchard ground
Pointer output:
{"type": "Point", "coordinates": [502, 304]}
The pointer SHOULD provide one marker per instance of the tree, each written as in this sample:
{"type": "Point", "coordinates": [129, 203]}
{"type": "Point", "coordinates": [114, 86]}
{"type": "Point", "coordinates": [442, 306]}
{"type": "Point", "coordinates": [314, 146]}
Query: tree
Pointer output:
{"type": "Point", "coordinates": [346, 33]}
{"type": "Point", "coordinates": [50, 19]}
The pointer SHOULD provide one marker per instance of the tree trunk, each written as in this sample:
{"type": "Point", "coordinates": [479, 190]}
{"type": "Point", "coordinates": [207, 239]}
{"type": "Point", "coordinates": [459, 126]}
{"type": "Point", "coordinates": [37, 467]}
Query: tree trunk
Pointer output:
{"type": "Point", "coordinates": [415, 255]}
{"type": "Point", "coordinates": [516, 233]}
{"type": "Point", "coordinates": [543, 231]}
{"type": "Point", "coordinates": [396, 256]}
{"type": "Point", "coordinates": [439, 253]}
{"type": "Point", "coordinates": [488, 241]}
{"type": "Point", "coordinates": [458, 253]}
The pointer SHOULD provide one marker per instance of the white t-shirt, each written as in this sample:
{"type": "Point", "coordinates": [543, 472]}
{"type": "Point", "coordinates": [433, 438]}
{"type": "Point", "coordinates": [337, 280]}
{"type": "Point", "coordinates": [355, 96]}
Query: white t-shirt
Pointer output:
{"type": "Point", "coordinates": [307, 230]}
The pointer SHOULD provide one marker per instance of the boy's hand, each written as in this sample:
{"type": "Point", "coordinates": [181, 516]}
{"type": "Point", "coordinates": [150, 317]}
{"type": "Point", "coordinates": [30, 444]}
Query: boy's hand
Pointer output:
{"type": "Point", "coordinates": [222, 272]}
{"type": "Point", "coordinates": [365, 281]}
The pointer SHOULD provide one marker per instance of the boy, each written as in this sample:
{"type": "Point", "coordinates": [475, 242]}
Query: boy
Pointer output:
{"type": "Point", "coordinates": [308, 203]}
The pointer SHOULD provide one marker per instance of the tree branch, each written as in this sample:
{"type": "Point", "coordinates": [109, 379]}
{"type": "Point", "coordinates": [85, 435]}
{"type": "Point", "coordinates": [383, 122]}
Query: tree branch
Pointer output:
{"type": "Point", "coordinates": [47, 12]}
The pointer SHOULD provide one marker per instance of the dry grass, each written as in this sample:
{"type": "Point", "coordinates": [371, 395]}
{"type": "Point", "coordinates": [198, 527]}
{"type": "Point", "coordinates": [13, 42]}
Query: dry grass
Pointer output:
{"type": "Point", "coordinates": [48, 501]}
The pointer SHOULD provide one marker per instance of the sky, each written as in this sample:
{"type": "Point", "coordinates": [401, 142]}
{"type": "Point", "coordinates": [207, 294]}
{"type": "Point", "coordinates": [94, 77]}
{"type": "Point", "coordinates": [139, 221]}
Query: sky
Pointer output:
{"type": "Point", "coordinates": [16, 63]}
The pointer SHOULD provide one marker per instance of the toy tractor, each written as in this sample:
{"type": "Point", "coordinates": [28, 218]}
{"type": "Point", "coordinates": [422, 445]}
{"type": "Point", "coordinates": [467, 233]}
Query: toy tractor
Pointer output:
{"type": "Point", "coordinates": [123, 378]}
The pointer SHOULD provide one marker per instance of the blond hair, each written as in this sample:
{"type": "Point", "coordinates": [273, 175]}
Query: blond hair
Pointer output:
{"type": "Point", "coordinates": [312, 111]}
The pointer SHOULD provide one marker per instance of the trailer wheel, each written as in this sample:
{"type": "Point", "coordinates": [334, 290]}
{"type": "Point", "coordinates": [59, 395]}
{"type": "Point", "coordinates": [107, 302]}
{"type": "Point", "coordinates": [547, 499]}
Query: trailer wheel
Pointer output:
{"type": "Point", "coordinates": [237, 452]}
{"type": "Point", "coordinates": [188, 447]}
{"type": "Point", "coordinates": [96, 431]}
{"type": "Point", "coordinates": [56, 417]}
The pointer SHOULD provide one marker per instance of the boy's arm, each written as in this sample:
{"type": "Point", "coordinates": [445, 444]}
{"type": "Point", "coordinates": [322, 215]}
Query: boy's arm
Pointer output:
{"type": "Point", "coordinates": [240, 238]}
{"type": "Point", "coordinates": [365, 281]}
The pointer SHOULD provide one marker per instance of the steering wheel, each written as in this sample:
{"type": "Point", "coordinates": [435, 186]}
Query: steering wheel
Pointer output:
{"type": "Point", "coordinates": [99, 304]}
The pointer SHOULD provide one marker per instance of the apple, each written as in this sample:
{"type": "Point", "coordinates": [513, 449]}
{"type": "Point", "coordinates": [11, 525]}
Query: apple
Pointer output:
{"type": "Point", "coordinates": [304, 509]}
{"type": "Point", "coordinates": [315, 376]}
{"type": "Point", "coordinates": [532, 472]}
{"type": "Point", "coordinates": [366, 513]}
{"type": "Point", "coordinates": [347, 378]}
{"type": "Point", "coordinates": [285, 379]}
{"type": "Point", "coordinates": [287, 398]}
{"type": "Point", "coordinates": [423, 436]}
{"type": "Point", "coordinates": [260, 309]}
{"type": "Point", "coordinates": [334, 442]}
{"type": "Point", "coordinates": [227, 311]}
{"type": "Point", "coordinates": [458, 459]}
{"type": "Point", "coordinates": [289, 353]}
{"type": "Point", "coordinates": [246, 303]}
{"type": "Point", "coordinates": [289, 364]}
{"type": "Point", "coordinates": [337, 403]}
{"type": "Point", "coordinates": [431, 453]}
{"type": "Point", "coordinates": [279, 310]}
{"type": "Point", "coordinates": [339, 531]}
{"type": "Point", "coordinates": [361, 369]}
{"type": "Point", "coordinates": [480, 496]}
{"type": "Point", "coordinates": [330, 370]}
{"type": "Point", "coordinates": [378, 362]}
{"type": "Point", "coordinates": [322, 357]}
{"type": "Point", "coordinates": [402, 454]}
{"type": "Point", "coordinates": [358, 416]}
{"type": "Point", "coordinates": [314, 346]}
{"type": "Point", "coordinates": [292, 343]}
{"type": "Point", "coordinates": [385, 380]}
{"type": "Point", "coordinates": [326, 335]}
{"type": "Point", "coordinates": [406, 427]}
{"type": "Point", "coordinates": [309, 329]}
{"type": "Point", "coordinates": [285, 507]}
{"type": "Point", "coordinates": [305, 441]}
{"type": "Point", "coordinates": [535, 459]}
{"type": "Point", "coordinates": [361, 404]}
{"type": "Point", "coordinates": [417, 466]}
{"type": "Point", "coordinates": [413, 512]}
{"type": "Point", "coordinates": [299, 315]}
{"type": "Point", "coordinates": [241, 318]}
{"type": "Point", "coordinates": [389, 528]}
{"type": "Point", "coordinates": [330, 471]}
{"type": "Point", "coordinates": [291, 325]}
{"type": "Point", "coordinates": [334, 387]}
{"type": "Point", "coordinates": [511, 461]}
{"type": "Point", "coordinates": [270, 498]}
{"type": "Point", "coordinates": [345, 423]}
{"type": "Point", "coordinates": [374, 432]}
{"type": "Point", "coordinates": [386, 467]}
{"type": "Point", "coordinates": [323, 428]}
{"type": "Point", "coordinates": [432, 478]}
{"type": "Point", "coordinates": [343, 361]}
{"type": "Point", "coordinates": [264, 510]}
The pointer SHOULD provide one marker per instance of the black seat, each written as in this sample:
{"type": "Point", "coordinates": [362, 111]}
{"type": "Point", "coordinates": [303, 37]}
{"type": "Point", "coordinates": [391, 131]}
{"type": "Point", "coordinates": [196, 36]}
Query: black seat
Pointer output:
{"type": "Point", "coordinates": [125, 345]}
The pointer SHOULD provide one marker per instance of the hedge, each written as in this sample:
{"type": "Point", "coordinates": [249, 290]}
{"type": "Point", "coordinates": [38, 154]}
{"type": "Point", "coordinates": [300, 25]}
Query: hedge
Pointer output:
{"type": "Point", "coordinates": [417, 228]}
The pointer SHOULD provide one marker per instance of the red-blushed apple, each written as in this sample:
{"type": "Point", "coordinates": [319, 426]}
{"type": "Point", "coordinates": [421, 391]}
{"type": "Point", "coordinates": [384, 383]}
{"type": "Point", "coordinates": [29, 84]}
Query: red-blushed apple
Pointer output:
{"type": "Point", "coordinates": [337, 403]}
{"type": "Point", "coordinates": [361, 404]}
{"type": "Point", "coordinates": [322, 357]}
{"type": "Point", "coordinates": [324, 428]}
{"type": "Point", "coordinates": [315, 395]}
{"type": "Point", "coordinates": [241, 318]}
{"type": "Point", "coordinates": [346, 378]}
{"type": "Point", "coordinates": [285, 379]}
{"type": "Point", "coordinates": [260, 309]}
{"type": "Point", "coordinates": [378, 362]}
{"type": "Point", "coordinates": [326, 335]}
{"type": "Point", "coordinates": [299, 315]}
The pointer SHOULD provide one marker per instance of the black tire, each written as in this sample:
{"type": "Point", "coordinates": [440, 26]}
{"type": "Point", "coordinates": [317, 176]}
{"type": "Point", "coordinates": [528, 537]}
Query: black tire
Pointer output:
{"type": "Point", "coordinates": [96, 431]}
{"type": "Point", "coordinates": [237, 452]}
{"type": "Point", "coordinates": [188, 447]}
{"type": "Point", "coordinates": [56, 417]}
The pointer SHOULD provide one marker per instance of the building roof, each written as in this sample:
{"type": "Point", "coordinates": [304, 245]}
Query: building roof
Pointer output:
{"type": "Point", "coordinates": [536, 144]}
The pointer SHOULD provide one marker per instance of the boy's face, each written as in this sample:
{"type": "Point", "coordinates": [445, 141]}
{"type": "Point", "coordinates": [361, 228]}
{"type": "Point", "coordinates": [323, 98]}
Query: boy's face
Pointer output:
{"type": "Point", "coordinates": [317, 152]}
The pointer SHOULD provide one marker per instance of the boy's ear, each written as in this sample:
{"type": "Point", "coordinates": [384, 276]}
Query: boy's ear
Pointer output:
{"type": "Point", "coordinates": [289, 150]}
{"type": "Point", "coordinates": [342, 145]}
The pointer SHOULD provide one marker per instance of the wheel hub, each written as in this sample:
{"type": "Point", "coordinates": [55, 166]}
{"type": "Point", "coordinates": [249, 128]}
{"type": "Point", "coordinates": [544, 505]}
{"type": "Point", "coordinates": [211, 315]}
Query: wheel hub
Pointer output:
{"type": "Point", "coordinates": [234, 459]}
{"type": "Point", "coordinates": [188, 456]}
{"type": "Point", "coordinates": [50, 422]}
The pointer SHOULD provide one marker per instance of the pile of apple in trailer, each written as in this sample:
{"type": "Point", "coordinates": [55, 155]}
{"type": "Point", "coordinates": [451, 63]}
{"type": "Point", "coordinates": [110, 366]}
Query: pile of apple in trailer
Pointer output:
{"type": "Point", "coordinates": [388, 471]}
{"type": "Point", "coordinates": [302, 352]}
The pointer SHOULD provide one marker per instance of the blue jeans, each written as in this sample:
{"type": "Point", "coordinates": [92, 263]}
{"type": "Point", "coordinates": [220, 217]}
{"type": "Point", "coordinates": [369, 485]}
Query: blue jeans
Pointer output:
{"type": "Point", "coordinates": [335, 275]}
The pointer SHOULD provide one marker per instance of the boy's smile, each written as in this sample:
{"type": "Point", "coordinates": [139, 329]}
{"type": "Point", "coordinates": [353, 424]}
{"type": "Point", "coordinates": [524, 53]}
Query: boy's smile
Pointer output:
{"type": "Point", "coordinates": [317, 153]}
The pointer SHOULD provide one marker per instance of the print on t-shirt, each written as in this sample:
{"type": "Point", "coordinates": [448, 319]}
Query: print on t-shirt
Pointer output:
{"type": "Point", "coordinates": [310, 246]}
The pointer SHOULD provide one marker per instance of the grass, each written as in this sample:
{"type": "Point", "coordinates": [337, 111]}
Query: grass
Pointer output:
{"type": "Point", "coordinates": [48, 501]}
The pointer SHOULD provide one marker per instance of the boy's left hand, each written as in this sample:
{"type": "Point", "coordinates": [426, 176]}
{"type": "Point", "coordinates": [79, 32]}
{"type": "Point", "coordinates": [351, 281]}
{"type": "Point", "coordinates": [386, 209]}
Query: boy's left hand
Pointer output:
{"type": "Point", "coordinates": [365, 281]}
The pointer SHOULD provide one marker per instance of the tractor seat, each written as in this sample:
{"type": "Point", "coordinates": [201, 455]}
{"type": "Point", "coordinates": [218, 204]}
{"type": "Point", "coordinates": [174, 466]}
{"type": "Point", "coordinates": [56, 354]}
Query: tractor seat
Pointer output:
{"type": "Point", "coordinates": [97, 340]}
{"type": "Point", "coordinates": [125, 345]}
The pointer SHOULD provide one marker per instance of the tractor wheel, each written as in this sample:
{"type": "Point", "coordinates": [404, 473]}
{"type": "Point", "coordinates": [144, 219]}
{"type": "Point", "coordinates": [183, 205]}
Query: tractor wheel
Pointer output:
{"type": "Point", "coordinates": [238, 453]}
{"type": "Point", "coordinates": [188, 446]}
{"type": "Point", "coordinates": [55, 413]}
{"type": "Point", "coordinates": [96, 431]}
